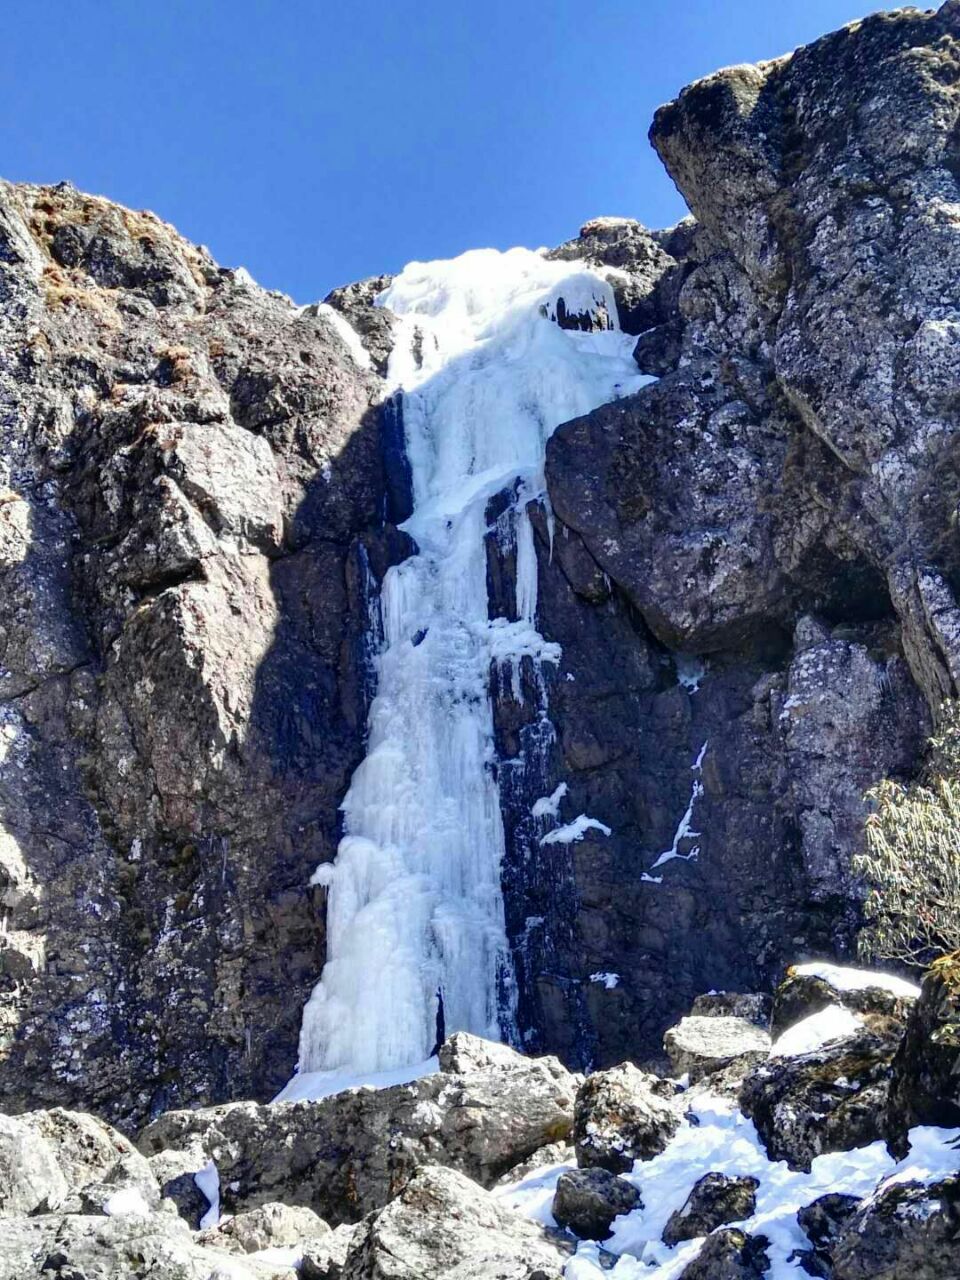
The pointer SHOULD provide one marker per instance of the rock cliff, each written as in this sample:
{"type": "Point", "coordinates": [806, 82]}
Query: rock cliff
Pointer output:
{"type": "Point", "coordinates": [751, 567]}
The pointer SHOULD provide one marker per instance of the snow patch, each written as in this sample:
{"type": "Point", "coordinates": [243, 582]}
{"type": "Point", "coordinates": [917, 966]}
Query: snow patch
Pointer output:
{"type": "Point", "coordinates": [208, 1181]}
{"type": "Point", "coordinates": [127, 1200]}
{"type": "Point", "coordinates": [609, 980]}
{"type": "Point", "coordinates": [549, 806]}
{"type": "Point", "coordinates": [808, 1035]}
{"type": "Point", "coordinates": [311, 1086]}
{"type": "Point", "coordinates": [347, 334]}
{"type": "Point", "coordinates": [842, 979]}
{"type": "Point", "coordinates": [685, 830]}
{"type": "Point", "coordinates": [575, 830]}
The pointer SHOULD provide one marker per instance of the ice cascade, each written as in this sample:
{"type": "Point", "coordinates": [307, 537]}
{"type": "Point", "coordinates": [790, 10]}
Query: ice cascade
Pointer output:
{"type": "Point", "coordinates": [415, 919]}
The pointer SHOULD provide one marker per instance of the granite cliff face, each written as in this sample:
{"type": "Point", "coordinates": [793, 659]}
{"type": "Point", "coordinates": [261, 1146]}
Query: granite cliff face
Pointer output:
{"type": "Point", "coordinates": [751, 568]}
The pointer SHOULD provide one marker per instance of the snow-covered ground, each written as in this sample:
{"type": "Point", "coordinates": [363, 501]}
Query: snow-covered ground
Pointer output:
{"type": "Point", "coordinates": [415, 906]}
{"type": "Point", "coordinates": [718, 1138]}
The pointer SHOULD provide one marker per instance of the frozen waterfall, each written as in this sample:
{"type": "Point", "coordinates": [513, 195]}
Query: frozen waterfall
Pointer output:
{"type": "Point", "coordinates": [415, 910]}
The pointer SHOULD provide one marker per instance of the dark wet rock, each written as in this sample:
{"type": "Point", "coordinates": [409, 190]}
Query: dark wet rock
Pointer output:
{"type": "Point", "coordinates": [699, 1045]}
{"type": "Point", "coordinates": [587, 1201]}
{"type": "Point", "coordinates": [623, 1115]}
{"type": "Point", "coordinates": [442, 1225]}
{"type": "Point", "coordinates": [801, 994]}
{"type": "Point", "coordinates": [823, 1221]}
{"type": "Point", "coordinates": [925, 1088]}
{"type": "Point", "coordinates": [831, 1098]}
{"type": "Point", "coordinates": [729, 1255]}
{"type": "Point", "coordinates": [904, 1230]}
{"type": "Point", "coordinates": [348, 1154]}
{"type": "Point", "coordinates": [752, 1006]}
{"type": "Point", "coordinates": [715, 1200]}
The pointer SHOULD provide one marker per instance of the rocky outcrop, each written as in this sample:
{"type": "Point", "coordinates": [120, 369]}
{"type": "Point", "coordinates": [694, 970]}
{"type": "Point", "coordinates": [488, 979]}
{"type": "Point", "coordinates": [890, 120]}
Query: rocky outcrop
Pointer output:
{"type": "Point", "coordinates": [925, 1084]}
{"type": "Point", "coordinates": [806, 989]}
{"type": "Point", "coordinates": [193, 488]}
{"type": "Point", "coordinates": [716, 1199]}
{"type": "Point", "coordinates": [349, 1154]}
{"type": "Point", "coordinates": [623, 1115]}
{"type": "Point", "coordinates": [729, 1255]}
{"type": "Point", "coordinates": [442, 1225]}
{"type": "Point", "coordinates": [906, 1229]}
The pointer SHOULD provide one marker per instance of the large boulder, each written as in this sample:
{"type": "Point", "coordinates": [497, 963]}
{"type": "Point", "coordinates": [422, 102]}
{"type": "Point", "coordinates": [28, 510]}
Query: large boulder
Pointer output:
{"type": "Point", "coordinates": [67, 1160]}
{"type": "Point", "coordinates": [717, 1198]}
{"type": "Point", "coordinates": [824, 1086]}
{"type": "Point", "coordinates": [697, 1045]}
{"type": "Point", "coordinates": [348, 1154]}
{"type": "Point", "coordinates": [729, 1254]}
{"type": "Point", "coordinates": [587, 1201]}
{"type": "Point", "coordinates": [906, 1231]}
{"type": "Point", "coordinates": [808, 988]}
{"type": "Point", "coordinates": [925, 1088]}
{"type": "Point", "coordinates": [623, 1115]}
{"type": "Point", "coordinates": [442, 1226]}
{"type": "Point", "coordinates": [125, 1247]}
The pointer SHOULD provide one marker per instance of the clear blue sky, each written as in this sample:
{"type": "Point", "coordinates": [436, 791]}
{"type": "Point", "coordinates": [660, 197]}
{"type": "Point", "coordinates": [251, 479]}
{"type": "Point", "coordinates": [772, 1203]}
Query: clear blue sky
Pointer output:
{"type": "Point", "coordinates": [317, 142]}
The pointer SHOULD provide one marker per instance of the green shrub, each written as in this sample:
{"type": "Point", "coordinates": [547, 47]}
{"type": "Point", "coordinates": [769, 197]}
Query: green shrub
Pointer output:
{"type": "Point", "coordinates": [911, 863]}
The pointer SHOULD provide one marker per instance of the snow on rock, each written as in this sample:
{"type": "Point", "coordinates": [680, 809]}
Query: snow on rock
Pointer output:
{"type": "Point", "coordinates": [684, 829]}
{"type": "Point", "coordinates": [549, 806]}
{"type": "Point", "coordinates": [575, 830]}
{"type": "Point", "coordinates": [415, 917]}
{"type": "Point", "coordinates": [609, 980]}
{"type": "Point", "coordinates": [311, 1086]}
{"type": "Point", "coordinates": [843, 979]}
{"type": "Point", "coordinates": [347, 334]}
{"type": "Point", "coordinates": [128, 1200]}
{"type": "Point", "coordinates": [808, 1035]}
{"type": "Point", "coordinates": [208, 1181]}
{"type": "Point", "coordinates": [716, 1137]}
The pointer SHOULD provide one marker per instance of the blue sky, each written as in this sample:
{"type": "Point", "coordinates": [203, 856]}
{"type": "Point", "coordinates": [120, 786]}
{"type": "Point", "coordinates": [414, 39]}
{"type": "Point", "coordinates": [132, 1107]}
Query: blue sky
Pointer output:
{"type": "Point", "coordinates": [317, 142]}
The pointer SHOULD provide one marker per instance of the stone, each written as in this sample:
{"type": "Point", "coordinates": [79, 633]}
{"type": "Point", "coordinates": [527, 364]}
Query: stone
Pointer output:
{"type": "Point", "coordinates": [830, 1097]}
{"type": "Point", "coordinates": [903, 1230]}
{"type": "Point", "coordinates": [806, 989]}
{"type": "Point", "coordinates": [699, 1045]}
{"type": "Point", "coordinates": [552, 1153]}
{"type": "Point", "coordinates": [30, 1174]}
{"type": "Point", "coordinates": [587, 1201]}
{"type": "Point", "coordinates": [716, 1199]}
{"type": "Point", "coordinates": [753, 1007]}
{"type": "Point", "coordinates": [442, 1226]}
{"type": "Point", "coordinates": [125, 1247]}
{"type": "Point", "coordinates": [324, 1257]}
{"type": "Point", "coordinates": [623, 1115]}
{"type": "Point", "coordinates": [729, 1254]}
{"type": "Point", "coordinates": [346, 1155]}
{"type": "Point", "coordinates": [269, 1226]}
{"type": "Point", "coordinates": [925, 1088]}
{"type": "Point", "coordinates": [822, 1222]}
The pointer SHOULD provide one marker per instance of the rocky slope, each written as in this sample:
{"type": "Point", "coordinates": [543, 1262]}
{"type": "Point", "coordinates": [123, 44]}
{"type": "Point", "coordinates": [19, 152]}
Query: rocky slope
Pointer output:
{"type": "Point", "coordinates": [751, 568]}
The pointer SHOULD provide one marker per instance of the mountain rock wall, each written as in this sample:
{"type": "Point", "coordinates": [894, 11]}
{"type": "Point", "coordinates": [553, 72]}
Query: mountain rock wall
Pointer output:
{"type": "Point", "coordinates": [751, 566]}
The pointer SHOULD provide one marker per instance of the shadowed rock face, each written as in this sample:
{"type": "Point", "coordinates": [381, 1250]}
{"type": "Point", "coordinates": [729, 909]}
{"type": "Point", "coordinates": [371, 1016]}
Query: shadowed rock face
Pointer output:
{"type": "Point", "coordinates": [191, 519]}
{"type": "Point", "coordinates": [751, 567]}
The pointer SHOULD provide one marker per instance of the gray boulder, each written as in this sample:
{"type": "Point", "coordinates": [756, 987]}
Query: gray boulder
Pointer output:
{"type": "Point", "coordinates": [588, 1200]}
{"type": "Point", "coordinates": [324, 1257]}
{"type": "Point", "coordinates": [158, 1247]}
{"type": "Point", "coordinates": [729, 1254]}
{"type": "Point", "coordinates": [698, 1045]}
{"type": "Point", "coordinates": [904, 1232]}
{"type": "Point", "coordinates": [925, 1088]}
{"type": "Point", "coordinates": [270, 1226]}
{"type": "Point", "coordinates": [442, 1226]}
{"type": "Point", "coordinates": [715, 1200]}
{"type": "Point", "coordinates": [348, 1154]}
{"type": "Point", "coordinates": [623, 1115]}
